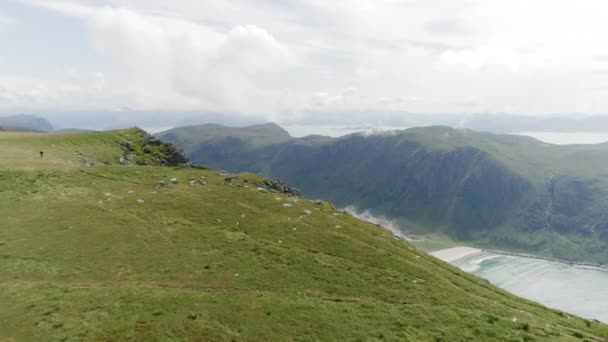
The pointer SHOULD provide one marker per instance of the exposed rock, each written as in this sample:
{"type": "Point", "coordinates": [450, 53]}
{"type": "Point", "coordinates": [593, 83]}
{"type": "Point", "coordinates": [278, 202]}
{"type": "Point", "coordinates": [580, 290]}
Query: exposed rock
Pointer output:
{"type": "Point", "coordinates": [287, 205]}
{"type": "Point", "coordinates": [162, 183]}
{"type": "Point", "coordinates": [282, 187]}
{"type": "Point", "coordinates": [174, 181]}
{"type": "Point", "coordinates": [164, 154]}
{"type": "Point", "coordinates": [127, 146]}
{"type": "Point", "coordinates": [307, 212]}
{"type": "Point", "coordinates": [264, 190]}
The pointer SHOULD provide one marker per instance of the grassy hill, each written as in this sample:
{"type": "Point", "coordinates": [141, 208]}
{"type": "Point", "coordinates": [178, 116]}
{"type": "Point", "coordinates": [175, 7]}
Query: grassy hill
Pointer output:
{"type": "Point", "coordinates": [96, 250]}
{"type": "Point", "coordinates": [502, 191]}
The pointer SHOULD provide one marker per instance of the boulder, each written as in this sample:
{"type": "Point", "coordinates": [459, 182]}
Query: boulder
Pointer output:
{"type": "Point", "coordinates": [282, 187]}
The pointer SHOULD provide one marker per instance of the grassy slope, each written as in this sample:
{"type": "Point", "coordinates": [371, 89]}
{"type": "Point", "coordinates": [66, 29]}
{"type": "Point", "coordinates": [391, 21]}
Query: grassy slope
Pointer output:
{"type": "Point", "coordinates": [258, 135]}
{"type": "Point", "coordinates": [503, 203]}
{"type": "Point", "coordinates": [82, 258]}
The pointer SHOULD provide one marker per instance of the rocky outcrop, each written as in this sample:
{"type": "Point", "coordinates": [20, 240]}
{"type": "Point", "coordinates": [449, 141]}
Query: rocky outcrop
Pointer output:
{"type": "Point", "coordinates": [282, 187]}
{"type": "Point", "coordinates": [145, 149]}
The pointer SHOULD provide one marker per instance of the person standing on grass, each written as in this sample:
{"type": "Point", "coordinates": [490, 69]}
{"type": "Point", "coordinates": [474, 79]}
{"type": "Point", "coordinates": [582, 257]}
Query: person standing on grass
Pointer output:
{"type": "Point", "coordinates": [41, 154]}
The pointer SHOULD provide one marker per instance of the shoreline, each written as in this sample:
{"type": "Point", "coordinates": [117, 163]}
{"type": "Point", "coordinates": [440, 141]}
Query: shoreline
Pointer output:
{"type": "Point", "coordinates": [453, 254]}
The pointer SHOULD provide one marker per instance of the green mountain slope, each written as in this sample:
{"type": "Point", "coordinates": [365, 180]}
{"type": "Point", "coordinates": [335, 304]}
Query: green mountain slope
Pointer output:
{"type": "Point", "coordinates": [99, 251]}
{"type": "Point", "coordinates": [501, 191]}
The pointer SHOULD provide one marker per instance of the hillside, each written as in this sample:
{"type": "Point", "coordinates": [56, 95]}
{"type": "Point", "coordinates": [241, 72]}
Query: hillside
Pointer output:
{"type": "Point", "coordinates": [92, 248]}
{"type": "Point", "coordinates": [501, 191]}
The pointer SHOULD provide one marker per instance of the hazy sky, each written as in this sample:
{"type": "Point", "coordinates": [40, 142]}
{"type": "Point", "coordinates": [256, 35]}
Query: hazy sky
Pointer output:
{"type": "Point", "coordinates": [304, 60]}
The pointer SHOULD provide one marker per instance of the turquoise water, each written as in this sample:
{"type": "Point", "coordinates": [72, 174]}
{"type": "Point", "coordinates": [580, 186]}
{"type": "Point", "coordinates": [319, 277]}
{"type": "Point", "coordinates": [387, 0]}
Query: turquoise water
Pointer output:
{"type": "Point", "coordinates": [578, 290]}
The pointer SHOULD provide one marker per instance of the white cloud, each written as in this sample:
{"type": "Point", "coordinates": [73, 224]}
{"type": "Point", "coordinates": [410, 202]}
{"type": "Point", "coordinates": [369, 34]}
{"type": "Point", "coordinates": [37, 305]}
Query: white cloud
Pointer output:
{"type": "Point", "coordinates": [6, 21]}
{"type": "Point", "coordinates": [306, 60]}
{"type": "Point", "coordinates": [164, 62]}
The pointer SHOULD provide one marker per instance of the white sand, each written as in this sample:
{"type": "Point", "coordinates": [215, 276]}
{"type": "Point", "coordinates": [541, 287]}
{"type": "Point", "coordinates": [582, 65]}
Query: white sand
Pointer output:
{"type": "Point", "coordinates": [453, 254]}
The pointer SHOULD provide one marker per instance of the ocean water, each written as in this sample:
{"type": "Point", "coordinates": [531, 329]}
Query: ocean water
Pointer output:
{"type": "Point", "coordinates": [566, 138]}
{"type": "Point", "coordinates": [579, 290]}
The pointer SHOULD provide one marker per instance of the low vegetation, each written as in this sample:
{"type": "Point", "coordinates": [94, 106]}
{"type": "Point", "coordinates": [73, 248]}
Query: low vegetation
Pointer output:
{"type": "Point", "coordinates": [501, 191]}
{"type": "Point", "coordinates": [94, 250]}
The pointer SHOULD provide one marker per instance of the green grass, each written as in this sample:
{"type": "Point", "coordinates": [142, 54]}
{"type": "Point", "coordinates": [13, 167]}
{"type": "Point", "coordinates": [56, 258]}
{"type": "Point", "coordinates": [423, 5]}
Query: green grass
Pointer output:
{"type": "Point", "coordinates": [502, 191]}
{"type": "Point", "coordinates": [83, 258]}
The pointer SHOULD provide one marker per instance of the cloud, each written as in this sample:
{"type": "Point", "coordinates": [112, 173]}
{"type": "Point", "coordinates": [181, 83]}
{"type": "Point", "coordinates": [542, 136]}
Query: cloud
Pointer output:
{"type": "Point", "coordinates": [6, 21]}
{"type": "Point", "coordinates": [382, 221]}
{"type": "Point", "coordinates": [163, 62]}
{"type": "Point", "coordinates": [359, 62]}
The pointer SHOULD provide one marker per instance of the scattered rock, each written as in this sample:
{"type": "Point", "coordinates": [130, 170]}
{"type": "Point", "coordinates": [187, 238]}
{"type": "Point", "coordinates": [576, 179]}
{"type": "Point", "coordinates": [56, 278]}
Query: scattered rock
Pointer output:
{"type": "Point", "coordinates": [162, 184]}
{"type": "Point", "coordinates": [192, 182]}
{"type": "Point", "coordinates": [174, 181]}
{"type": "Point", "coordinates": [218, 221]}
{"type": "Point", "coordinates": [287, 205]}
{"type": "Point", "coordinates": [107, 194]}
{"type": "Point", "coordinates": [140, 201]}
{"type": "Point", "coordinates": [130, 192]}
{"type": "Point", "coordinates": [307, 212]}
{"type": "Point", "coordinates": [282, 187]}
{"type": "Point", "coordinates": [263, 190]}
{"type": "Point", "coordinates": [122, 160]}
{"type": "Point", "coordinates": [127, 146]}
{"type": "Point", "coordinates": [230, 179]}
{"type": "Point", "coordinates": [319, 202]}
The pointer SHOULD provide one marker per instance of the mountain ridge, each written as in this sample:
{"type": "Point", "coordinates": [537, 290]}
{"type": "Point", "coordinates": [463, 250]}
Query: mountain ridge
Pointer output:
{"type": "Point", "coordinates": [140, 251]}
{"type": "Point", "coordinates": [502, 191]}
{"type": "Point", "coordinates": [23, 122]}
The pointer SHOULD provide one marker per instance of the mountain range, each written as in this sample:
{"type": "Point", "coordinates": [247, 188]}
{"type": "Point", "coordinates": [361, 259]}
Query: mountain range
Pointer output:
{"type": "Point", "coordinates": [24, 122]}
{"type": "Point", "coordinates": [113, 236]}
{"type": "Point", "coordinates": [499, 191]}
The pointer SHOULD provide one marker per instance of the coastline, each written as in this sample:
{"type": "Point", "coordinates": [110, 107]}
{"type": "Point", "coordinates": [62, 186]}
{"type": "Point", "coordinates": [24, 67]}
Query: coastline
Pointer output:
{"type": "Point", "coordinates": [454, 254]}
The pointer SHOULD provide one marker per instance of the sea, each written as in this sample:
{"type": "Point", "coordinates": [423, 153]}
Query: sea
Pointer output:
{"type": "Point", "coordinates": [580, 290]}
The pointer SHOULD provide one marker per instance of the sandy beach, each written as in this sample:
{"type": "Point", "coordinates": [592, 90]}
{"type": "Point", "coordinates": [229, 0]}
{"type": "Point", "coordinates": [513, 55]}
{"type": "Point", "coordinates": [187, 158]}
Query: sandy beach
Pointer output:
{"type": "Point", "coordinates": [453, 254]}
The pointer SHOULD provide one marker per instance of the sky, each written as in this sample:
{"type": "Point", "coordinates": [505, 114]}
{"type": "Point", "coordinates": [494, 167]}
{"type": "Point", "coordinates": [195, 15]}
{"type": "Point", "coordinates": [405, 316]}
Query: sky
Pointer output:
{"type": "Point", "coordinates": [301, 62]}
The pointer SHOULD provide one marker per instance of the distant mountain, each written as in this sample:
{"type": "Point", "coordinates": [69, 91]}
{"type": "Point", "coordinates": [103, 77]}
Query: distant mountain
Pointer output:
{"type": "Point", "coordinates": [502, 191]}
{"type": "Point", "coordinates": [26, 123]}
{"type": "Point", "coordinates": [189, 138]}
